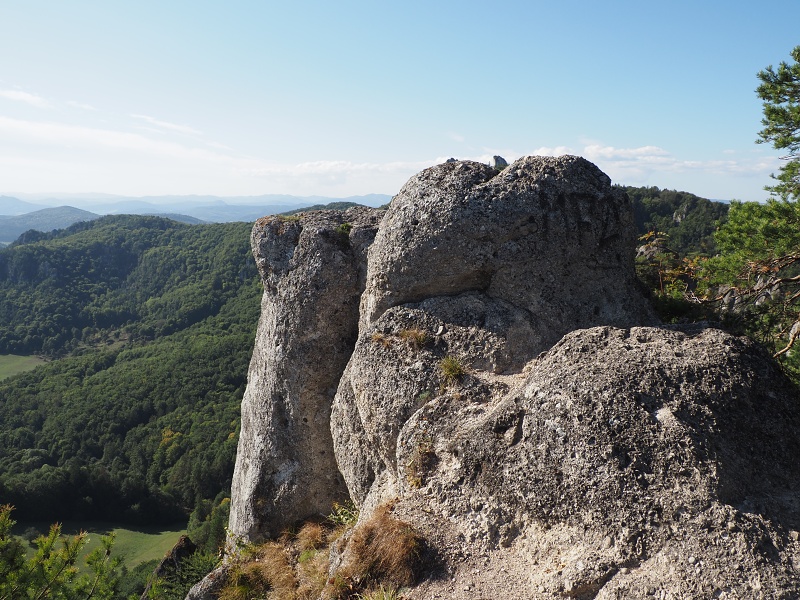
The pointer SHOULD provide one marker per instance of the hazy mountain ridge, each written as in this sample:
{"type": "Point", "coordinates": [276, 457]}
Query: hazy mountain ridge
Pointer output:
{"type": "Point", "coordinates": [45, 219]}
{"type": "Point", "coordinates": [205, 207]}
{"type": "Point", "coordinates": [48, 213]}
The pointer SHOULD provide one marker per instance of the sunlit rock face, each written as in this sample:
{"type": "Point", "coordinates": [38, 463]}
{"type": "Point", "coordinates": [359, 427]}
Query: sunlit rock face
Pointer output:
{"type": "Point", "coordinates": [481, 355]}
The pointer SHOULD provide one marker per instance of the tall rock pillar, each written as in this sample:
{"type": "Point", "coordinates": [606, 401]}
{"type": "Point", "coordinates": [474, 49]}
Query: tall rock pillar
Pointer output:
{"type": "Point", "coordinates": [313, 269]}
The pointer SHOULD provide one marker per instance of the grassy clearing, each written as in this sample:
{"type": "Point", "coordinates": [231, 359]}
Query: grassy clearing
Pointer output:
{"type": "Point", "coordinates": [134, 546]}
{"type": "Point", "coordinates": [11, 364]}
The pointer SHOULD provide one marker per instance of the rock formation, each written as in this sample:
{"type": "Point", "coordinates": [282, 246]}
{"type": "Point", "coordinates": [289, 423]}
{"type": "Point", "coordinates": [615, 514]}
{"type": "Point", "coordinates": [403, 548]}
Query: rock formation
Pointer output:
{"type": "Point", "coordinates": [482, 355]}
{"type": "Point", "coordinates": [313, 270]}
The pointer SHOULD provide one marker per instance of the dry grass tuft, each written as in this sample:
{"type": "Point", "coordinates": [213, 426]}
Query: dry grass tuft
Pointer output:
{"type": "Point", "coordinates": [416, 337]}
{"type": "Point", "coordinates": [423, 459]}
{"type": "Point", "coordinates": [382, 339]}
{"type": "Point", "coordinates": [310, 537]}
{"type": "Point", "coordinates": [312, 574]}
{"type": "Point", "coordinates": [381, 551]}
{"type": "Point", "coordinates": [268, 574]}
{"type": "Point", "coordinates": [379, 593]}
{"type": "Point", "coordinates": [452, 370]}
{"type": "Point", "coordinates": [381, 556]}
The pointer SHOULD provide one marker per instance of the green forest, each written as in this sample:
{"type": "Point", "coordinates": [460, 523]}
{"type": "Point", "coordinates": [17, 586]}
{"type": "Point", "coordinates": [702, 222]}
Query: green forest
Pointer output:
{"type": "Point", "coordinates": [152, 323]}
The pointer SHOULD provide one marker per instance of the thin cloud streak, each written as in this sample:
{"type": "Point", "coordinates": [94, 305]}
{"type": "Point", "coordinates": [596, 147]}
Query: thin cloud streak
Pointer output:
{"type": "Point", "coordinates": [81, 105]}
{"type": "Point", "coordinates": [166, 125]}
{"type": "Point", "coordinates": [28, 98]}
{"type": "Point", "coordinates": [97, 139]}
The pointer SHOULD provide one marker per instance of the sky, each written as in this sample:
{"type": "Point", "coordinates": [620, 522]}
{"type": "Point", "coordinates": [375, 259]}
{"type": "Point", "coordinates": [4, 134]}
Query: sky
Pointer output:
{"type": "Point", "coordinates": [347, 98]}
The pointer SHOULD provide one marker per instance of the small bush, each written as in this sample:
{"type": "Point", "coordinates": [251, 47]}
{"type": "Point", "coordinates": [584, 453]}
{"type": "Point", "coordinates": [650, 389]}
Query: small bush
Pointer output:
{"type": "Point", "coordinates": [343, 514]}
{"type": "Point", "coordinates": [344, 229]}
{"type": "Point", "coordinates": [342, 233]}
{"type": "Point", "coordinates": [451, 370]}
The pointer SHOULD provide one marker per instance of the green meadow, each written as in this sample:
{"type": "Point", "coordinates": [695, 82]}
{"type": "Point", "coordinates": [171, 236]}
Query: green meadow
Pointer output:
{"type": "Point", "coordinates": [134, 546]}
{"type": "Point", "coordinates": [11, 364]}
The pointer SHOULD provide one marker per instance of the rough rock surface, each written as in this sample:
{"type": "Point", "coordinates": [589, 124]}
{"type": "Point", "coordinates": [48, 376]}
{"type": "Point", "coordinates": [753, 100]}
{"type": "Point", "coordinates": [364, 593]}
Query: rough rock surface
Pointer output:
{"type": "Point", "coordinates": [548, 235]}
{"type": "Point", "coordinates": [210, 586]}
{"type": "Point", "coordinates": [507, 263]}
{"type": "Point", "coordinates": [502, 380]}
{"type": "Point", "coordinates": [623, 463]}
{"type": "Point", "coordinates": [313, 268]}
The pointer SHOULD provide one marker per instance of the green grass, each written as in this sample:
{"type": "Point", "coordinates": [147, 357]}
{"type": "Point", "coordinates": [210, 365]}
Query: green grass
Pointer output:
{"type": "Point", "coordinates": [134, 546]}
{"type": "Point", "coordinates": [11, 364]}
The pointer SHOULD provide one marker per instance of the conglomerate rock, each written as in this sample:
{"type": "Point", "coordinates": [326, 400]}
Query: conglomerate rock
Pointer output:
{"type": "Point", "coordinates": [548, 235]}
{"type": "Point", "coordinates": [313, 269]}
{"type": "Point", "coordinates": [484, 358]}
{"type": "Point", "coordinates": [620, 462]}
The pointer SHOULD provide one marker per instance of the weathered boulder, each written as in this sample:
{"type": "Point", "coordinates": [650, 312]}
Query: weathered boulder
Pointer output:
{"type": "Point", "coordinates": [621, 463]}
{"type": "Point", "coordinates": [548, 235]}
{"type": "Point", "coordinates": [313, 268]}
{"type": "Point", "coordinates": [523, 256]}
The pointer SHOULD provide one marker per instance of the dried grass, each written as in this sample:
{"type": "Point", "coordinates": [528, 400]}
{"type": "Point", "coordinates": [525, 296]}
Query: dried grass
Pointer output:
{"type": "Point", "coordinates": [268, 574]}
{"type": "Point", "coordinates": [310, 537]}
{"type": "Point", "coordinates": [382, 339]}
{"type": "Point", "coordinates": [415, 337]}
{"type": "Point", "coordinates": [382, 555]}
{"type": "Point", "coordinates": [382, 551]}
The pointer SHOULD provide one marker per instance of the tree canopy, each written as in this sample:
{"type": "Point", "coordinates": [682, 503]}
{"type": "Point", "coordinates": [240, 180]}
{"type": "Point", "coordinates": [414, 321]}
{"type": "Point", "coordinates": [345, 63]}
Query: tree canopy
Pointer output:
{"type": "Point", "coordinates": [140, 422]}
{"type": "Point", "coordinates": [780, 91]}
{"type": "Point", "coordinates": [755, 276]}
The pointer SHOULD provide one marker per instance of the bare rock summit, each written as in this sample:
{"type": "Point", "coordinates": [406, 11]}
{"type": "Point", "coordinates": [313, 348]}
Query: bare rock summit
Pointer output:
{"type": "Point", "coordinates": [480, 354]}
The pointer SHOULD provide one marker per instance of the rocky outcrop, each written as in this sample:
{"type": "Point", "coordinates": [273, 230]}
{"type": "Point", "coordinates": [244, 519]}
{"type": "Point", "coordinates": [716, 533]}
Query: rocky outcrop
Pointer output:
{"type": "Point", "coordinates": [620, 463]}
{"type": "Point", "coordinates": [548, 235]}
{"type": "Point", "coordinates": [313, 269]}
{"type": "Point", "coordinates": [502, 265]}
{"type": "Point", "coordinates": [483, 358]}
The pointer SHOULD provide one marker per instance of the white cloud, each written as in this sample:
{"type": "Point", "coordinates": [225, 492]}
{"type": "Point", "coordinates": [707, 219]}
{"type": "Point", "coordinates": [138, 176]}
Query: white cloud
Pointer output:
{"type": "Point", "coordinates": [81, 105]}
{"type": "Point", "coordinates": [638, 164]}
{"type": "Point", "coordinates": [166, 125]}
{"type": "Point", "coordinates": [73, 136]}
{"type": "Point", "coordinates": [28, 98]}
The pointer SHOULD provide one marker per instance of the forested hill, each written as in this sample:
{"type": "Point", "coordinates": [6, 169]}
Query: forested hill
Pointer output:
{"type": "Point", "coordinates": [139, 422]}
{"type": "Point", "coordinates": [688, 220]}
{"type": "Point", "coordinates": [117, 277]}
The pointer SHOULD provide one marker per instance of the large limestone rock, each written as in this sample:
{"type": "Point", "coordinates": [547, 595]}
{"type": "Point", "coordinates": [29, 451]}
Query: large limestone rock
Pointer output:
{"type": "Point", "coordinates": [622, 463]}
{"type": "Point", "coordinates": [519, 258]}
{"type": "Point", "coordinates": [550, 236]}
{"type": "Point", "coordinates": [313, 269]}
{"type": "Point", "coordinates": [483, 357]}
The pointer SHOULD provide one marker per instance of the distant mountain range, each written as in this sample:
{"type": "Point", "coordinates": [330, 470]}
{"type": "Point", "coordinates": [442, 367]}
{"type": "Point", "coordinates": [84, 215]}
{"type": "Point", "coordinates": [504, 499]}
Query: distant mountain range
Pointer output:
{"type": "Point", "coordinates": [45, 219]}
{"type": "Point", "coordinates": [45, 213]}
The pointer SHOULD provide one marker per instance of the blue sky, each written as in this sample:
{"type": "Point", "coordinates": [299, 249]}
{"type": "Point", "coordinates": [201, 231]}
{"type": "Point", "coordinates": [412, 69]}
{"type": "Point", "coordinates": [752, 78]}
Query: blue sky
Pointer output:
{"type": "Point", "coordinates": [346, 98]}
